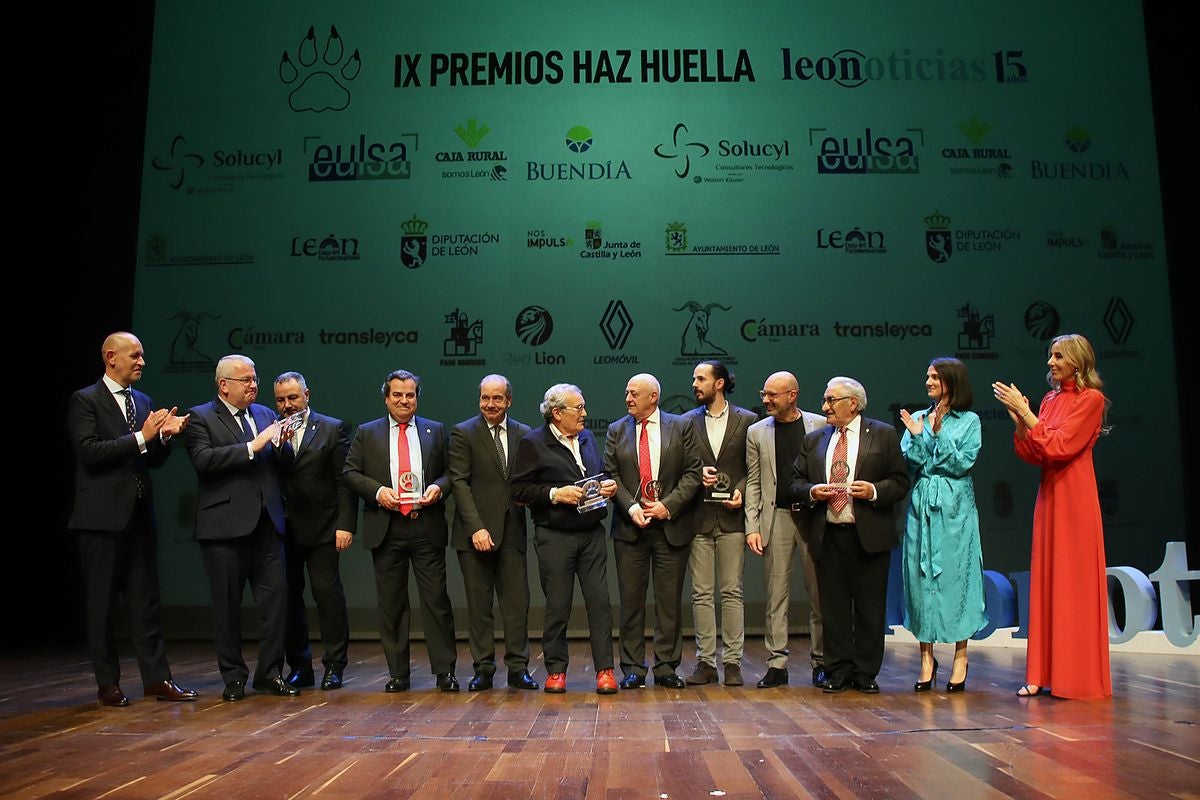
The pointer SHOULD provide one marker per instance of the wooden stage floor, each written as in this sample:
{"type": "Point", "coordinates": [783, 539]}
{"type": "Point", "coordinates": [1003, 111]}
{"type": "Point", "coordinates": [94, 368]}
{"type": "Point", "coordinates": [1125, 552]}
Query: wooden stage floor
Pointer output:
{"type": "Point", "coordinates": [713, 741]}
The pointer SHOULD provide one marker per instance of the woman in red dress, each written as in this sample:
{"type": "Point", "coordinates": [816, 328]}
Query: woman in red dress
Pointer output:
{"type": "Point", "coordinates": [1068, 593]}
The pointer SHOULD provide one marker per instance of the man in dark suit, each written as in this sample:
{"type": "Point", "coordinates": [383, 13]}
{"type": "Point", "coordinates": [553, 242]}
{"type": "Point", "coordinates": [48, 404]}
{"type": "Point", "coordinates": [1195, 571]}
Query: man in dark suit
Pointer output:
{"type": "Point", "coordinates": [718, 551]}
{"type": "Point", "coordinates": [322, 515]}
{"type": "Point", "coordinates": [655, 461]}
{"type": "Point", "coordinates": [397, 465]}
{"type": "Point", "coordinates": [118, 436]}
{"type": "Point", "coordinates": [554, 464]}
{"type": "Point", "coordinates": [489, 534]}
{"type": "Point", "coordinates": [240, 524]}
{"type": "Point", "coordinates": [849, 476]}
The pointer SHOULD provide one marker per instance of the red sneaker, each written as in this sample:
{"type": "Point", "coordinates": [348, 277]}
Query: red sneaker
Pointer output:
{"type": "Point", "coordinates": [556, 682]}
{"type": "Point", "coordinates": [605, 682]}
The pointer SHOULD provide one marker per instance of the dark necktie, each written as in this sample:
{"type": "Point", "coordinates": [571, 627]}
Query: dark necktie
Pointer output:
{"type": "Point", "coordinates": [131, 420]}
{"type": "Point", "coordinates": [500, 451]}
{"type": "Point", "coordinates": [243, 420]}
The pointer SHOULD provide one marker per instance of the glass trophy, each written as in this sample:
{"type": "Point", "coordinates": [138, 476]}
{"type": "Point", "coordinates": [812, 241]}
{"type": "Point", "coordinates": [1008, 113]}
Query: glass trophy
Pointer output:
{"type": "Point", "coordinates": [591, 499]}
{"type": "Point", "coordinates": [287, 426]}
{"type": "Point", "coordinates": [720, 491]}
{"type": "Point", "coordinates": [651, 492]}
{"type": "Point", "coordinates": [410, 488]}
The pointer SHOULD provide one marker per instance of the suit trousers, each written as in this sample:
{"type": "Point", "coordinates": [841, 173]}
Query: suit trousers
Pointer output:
{"type": "Point", "coordinates": [853, 586]}
{"type": "Point", "coordinates": [498, 576]}
{"type": "Point", "coordinates": [787, 544]}
{"type": "Point", "coordinates": [651, 557]}
{"type": "Point", "coordinates": [124, 563]}
{"type": "Point", "coordinates": [562, 556]}
{"type": "Point", "coordinates": [716, 562]}
{"type": "Point", "coordinates": [325, 579]}
{"type": "Point", "coordinates": [256, 557]}
{"type": "Point", "coordinates": [402, 545]}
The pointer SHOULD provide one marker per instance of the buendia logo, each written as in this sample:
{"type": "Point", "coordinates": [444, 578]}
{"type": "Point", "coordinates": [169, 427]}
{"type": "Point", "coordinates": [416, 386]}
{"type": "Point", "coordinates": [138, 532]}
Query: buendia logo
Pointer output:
{"type": "Point", "coordinates": [578, 140]}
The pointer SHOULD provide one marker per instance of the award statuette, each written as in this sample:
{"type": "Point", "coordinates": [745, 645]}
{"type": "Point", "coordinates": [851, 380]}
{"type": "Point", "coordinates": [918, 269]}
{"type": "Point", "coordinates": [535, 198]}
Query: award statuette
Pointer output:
{"type": "Point", "coordinates": [651, 492]}
{"type": "Point", "coordinates": [839, 476]}
{"type": "Point", "coordinates": [287, 426]}
{"type": "Point", "coordinates": [720, 491]}
{"type": "Point", "coordinates": [591, 499]}
{"type": "Point", "coordinates": [409, 488]}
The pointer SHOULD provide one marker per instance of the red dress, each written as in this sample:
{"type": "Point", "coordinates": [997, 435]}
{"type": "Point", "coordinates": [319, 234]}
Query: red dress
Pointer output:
{"type": "Point", "coordinates": [1068, 591]}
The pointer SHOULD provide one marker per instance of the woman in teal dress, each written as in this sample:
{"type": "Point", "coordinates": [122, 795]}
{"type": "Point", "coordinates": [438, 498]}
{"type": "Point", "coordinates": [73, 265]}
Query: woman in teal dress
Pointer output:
{"type": "Point", "coordinates": [943, 563]}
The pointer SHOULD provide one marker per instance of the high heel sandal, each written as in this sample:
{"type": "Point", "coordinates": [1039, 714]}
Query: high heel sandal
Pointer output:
{"type": "Point", "coordinates": [961, 686]}
{"type": "Point", "coordinates": [925, 686]}
{"type": "Point", "coordinates": [1032, 690]}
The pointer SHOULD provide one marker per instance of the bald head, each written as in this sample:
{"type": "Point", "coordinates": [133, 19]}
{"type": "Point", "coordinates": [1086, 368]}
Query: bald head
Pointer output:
{"type": "Point", "coordinates": [641, 395]}
{"type": "Point", "coordinates": [779, 394]}
{"type": "Point", "coordinates": [123, 357]}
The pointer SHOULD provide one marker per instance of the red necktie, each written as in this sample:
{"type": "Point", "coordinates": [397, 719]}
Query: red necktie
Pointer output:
{"type": "Point", "coordinates": [402, 463]}
{"type": "Point", "coordinates": [645, 473]}
{"type": "Point", "coordinates": [841, 454]}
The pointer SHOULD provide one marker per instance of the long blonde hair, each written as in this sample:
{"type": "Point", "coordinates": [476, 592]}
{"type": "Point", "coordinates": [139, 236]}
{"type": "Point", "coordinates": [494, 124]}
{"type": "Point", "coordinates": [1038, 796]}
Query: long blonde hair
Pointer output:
{"type": "Point", "coordinates": [1077, 350]}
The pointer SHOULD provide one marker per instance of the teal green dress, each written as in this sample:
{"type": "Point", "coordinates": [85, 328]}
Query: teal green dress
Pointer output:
{"type": "Point", "coordinates": [943, 562]}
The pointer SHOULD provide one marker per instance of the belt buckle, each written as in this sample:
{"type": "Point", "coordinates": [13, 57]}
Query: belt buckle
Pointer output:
{"type": "Point", "coordinates": [414, 514]}
{"type": "Point", "coordinates": [796, 507]}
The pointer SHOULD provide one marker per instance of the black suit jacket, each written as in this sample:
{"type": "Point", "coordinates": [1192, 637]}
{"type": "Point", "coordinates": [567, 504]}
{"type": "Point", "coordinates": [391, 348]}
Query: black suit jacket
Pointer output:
{"type": "Point", "coordinates": [481, 494]}
{"type": "Point", "coordinates": [234, 488]}
{"type": "Point", "coordinates": [732, 462]}
{"type": "Point", "coordinates": [368, 467]}
{"type": "Point", "coordinates": [543, 463]}
{"type": "Point", "coordinates": [879, 462]}
{"type": "Point", "coordinates": [678, 472]}
{"type": "Point", "coordinates": [107, 458]}
{"type": "Point", "coordinates": [316, 500]}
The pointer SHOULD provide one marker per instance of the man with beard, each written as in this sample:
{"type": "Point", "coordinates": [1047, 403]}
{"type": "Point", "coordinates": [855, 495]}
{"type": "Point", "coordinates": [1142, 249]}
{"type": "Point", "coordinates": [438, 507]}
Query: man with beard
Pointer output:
{"type": "Point", "coordinates": [720, 430]}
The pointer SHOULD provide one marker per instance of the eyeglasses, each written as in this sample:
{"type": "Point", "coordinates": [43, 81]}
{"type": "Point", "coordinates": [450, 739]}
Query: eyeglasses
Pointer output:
{"type": "Point", "coordinates": [831, 400]}
{"type": "Point", "coordinates": [773, 395]}
{"type": "Point", "coordinates": [579, 409]}
{"type": "Point", "coordinates": [245, 381]}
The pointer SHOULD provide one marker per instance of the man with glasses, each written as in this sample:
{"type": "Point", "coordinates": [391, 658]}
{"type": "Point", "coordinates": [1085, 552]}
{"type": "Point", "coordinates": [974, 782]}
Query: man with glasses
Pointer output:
{"type": "Point", "coordinates": [240, 524]}
{"type": "Point", "coordinates": [553, 465]}
{"type": "Point", "coordinates": [848, 478]}
{"type": "Point", "coordinates": [773, 528]}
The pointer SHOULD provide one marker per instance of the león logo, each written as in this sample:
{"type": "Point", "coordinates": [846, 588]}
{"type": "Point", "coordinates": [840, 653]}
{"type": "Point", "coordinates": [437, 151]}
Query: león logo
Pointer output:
{"type": "Point", "coordinates": [320, 80]}
{"type": "Point", "coordinates": [534, 325]}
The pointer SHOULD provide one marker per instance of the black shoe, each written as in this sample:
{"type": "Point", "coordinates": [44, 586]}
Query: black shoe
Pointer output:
{"type": "Point", "coordinates": [633, 681]}
{"type": "Point", "coordinates": [521, 679]}
{"type": "Point", "coordinates": [835, 685]}
{"type": "Point", "coordinates": [961, 686]}
{"type": "Point", "coordinates": [396, 685]}
{"type": "Point", "coordinates": [332, 679]}
{"type": "Point", "coordinates": [302, 678]}
{"type": "Point", "coordinates": [234, 690]}
{"type": "Point", "coordinates": [446, 682]}
{"type": "Point", "coordinates": [776, 676]}
{"type": "Point", "coordinates": [866, 685]}
{"type": "Point", "coordinates": [276, 686]}
{"type": "Point", "coordinates": [819, 676]}
{"type": "Point", "coordinates": [478, 683]}
{"type": "Point", "coordinates": [670, 681]}
{"type": "Point", "coordinates": [925, 686]}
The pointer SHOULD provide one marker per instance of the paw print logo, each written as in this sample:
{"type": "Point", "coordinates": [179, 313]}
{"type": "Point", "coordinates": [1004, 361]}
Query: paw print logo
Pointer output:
{"type": "Point", "coordinates": [322, 79]}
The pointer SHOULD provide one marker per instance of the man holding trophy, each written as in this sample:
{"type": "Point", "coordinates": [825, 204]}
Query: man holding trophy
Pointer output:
{"type": "Point", "coordinates": [557, 474]}
{"type": "Point", "coordinates": [718, 552]}
{"type": "Point", "coordinates": [656, 462]}
{"type": "Point", "coordinates": [397, 465]}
